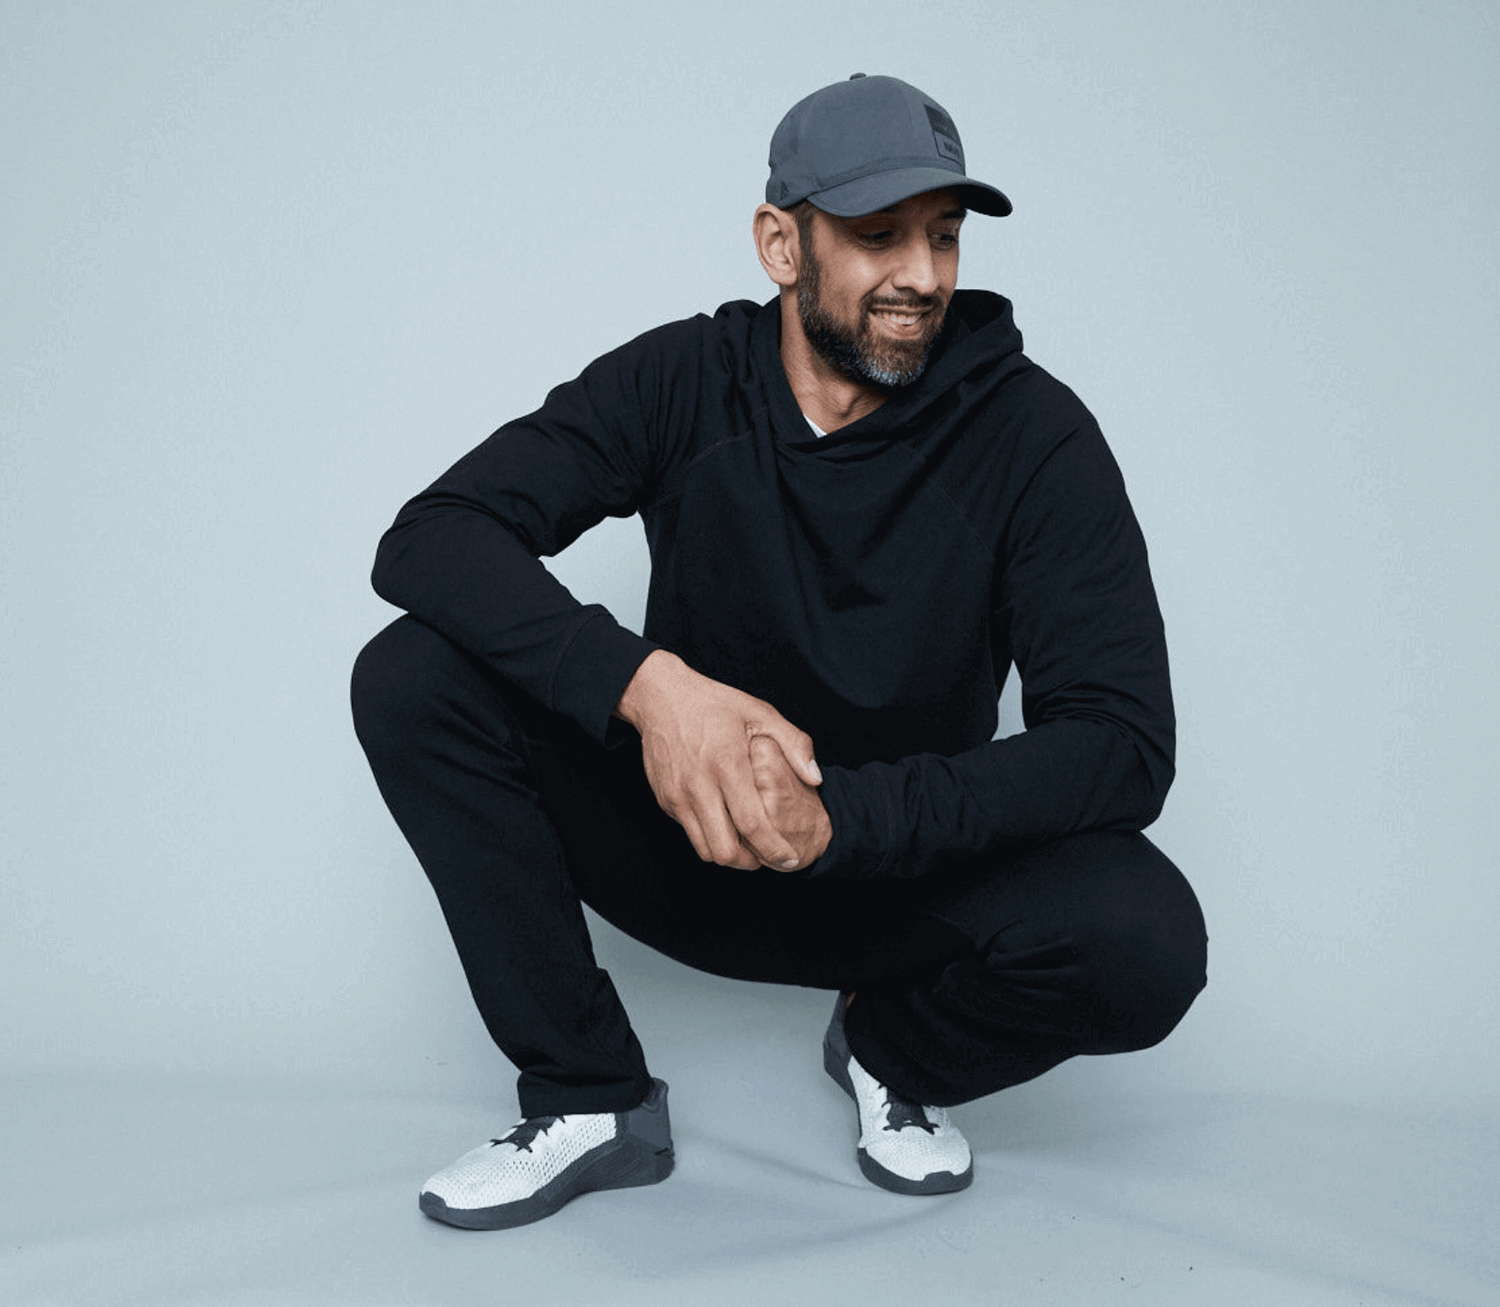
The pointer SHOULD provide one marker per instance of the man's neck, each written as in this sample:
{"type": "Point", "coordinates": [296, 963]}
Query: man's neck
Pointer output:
{"type": "Point", "coordinates": [825, 395]}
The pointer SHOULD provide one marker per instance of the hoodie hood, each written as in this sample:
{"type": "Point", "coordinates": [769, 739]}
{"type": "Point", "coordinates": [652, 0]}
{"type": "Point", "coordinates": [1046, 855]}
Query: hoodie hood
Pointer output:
{"type": "Point", "coordinates": [978, 346]}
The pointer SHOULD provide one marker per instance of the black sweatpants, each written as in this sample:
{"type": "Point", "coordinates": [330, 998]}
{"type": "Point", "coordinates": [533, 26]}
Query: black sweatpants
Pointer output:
{"type": "Point", "coordinates": [969, 981]}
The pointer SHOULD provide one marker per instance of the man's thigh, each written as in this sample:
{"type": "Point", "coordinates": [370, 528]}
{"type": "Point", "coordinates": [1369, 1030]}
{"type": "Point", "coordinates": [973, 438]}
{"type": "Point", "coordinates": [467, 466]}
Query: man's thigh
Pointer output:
{"type": "Point", "coordinates": [1091, 944]}
{"type": "Point", "coordinates": [1083, 887]}
{"type": "Point", "coordinates": [634, 865]}
{"type": "Point", "coordinates": [1102, 922]}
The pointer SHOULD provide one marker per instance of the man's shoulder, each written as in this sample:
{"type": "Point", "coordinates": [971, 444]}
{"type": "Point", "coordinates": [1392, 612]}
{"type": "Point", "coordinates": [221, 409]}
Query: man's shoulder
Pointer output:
{"type": "Point", "coordinates": [732, 323]}
{"type": "Point", "coordinates": [672, 366]}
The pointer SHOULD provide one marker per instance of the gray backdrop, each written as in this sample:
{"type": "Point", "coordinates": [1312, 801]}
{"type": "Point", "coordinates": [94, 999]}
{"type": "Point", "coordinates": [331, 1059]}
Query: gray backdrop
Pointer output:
{"type": "Point", "coordinates": [268, 268]}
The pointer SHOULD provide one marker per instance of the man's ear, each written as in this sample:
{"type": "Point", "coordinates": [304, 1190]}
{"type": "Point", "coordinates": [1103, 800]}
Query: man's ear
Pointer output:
{"type": "Point", "coordinates": [776, 241]}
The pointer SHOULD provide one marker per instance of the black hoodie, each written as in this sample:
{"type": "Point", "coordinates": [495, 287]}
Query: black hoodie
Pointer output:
{"type": "Point", "coordinates": [874, 585]}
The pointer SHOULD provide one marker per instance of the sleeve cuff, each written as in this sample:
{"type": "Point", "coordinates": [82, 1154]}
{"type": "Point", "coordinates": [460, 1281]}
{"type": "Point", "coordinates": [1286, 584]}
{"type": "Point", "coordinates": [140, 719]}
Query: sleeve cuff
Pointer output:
{"type": "Point", "coordinates": [861, 814]}
{"type": "Point", "coordinates": [593, 672]}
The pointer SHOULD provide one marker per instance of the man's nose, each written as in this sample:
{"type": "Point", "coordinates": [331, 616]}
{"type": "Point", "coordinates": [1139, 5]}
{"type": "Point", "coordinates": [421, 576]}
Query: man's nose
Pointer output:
{"type": "Point", "coordinates": [918, 269]}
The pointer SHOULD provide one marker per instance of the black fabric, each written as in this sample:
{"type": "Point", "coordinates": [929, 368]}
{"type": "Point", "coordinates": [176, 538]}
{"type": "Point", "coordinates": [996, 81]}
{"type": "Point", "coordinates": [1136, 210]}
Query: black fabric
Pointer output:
{"type": "Point", "coordinates": [875, 585]}
{"type": "Point", "coordinates": [968, 980]}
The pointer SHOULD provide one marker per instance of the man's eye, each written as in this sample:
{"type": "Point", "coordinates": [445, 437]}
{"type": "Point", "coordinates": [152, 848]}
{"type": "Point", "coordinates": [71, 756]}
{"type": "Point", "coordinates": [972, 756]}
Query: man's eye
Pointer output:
{"type": "Point", "coordinates": [875, 237]}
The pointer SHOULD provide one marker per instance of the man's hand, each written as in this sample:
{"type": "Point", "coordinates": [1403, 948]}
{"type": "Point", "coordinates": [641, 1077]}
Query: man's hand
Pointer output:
{"type": "Point", "coordinates": [793, 806]}
{"type": "Point", "coordinates": [696, 740]}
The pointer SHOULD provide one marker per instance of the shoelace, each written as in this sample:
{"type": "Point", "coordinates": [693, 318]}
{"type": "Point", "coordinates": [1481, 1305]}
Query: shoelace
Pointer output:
{"type": "Point", "coordinates": [524, 1135]}
{"type": "Point", "coordinates": [899, 1114]}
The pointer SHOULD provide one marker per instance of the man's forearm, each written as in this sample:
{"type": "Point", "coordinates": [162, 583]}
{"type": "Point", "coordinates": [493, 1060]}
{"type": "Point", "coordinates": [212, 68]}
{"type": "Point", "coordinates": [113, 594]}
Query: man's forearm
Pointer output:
{"type": "Point", "coordinates": [465, 574]}
{"type": "Point", "coordinates": [913, 816]}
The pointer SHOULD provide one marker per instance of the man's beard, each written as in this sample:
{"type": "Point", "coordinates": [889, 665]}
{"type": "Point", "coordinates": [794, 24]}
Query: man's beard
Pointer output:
{"type": "Point", "coordinates": [855, 352]}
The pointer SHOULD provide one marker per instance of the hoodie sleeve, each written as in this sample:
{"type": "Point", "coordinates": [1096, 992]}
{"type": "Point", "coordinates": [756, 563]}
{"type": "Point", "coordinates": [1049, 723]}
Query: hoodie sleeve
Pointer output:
{"type": "Point", "coordinates": [464, 555]}
{"type": "Point", "coordinates": [1074, 603]}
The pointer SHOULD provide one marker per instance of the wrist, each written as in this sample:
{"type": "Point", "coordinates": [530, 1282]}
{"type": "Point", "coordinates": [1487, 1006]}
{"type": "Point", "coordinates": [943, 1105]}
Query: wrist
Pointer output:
{"type": "Point", "coordinates": [659, 667]}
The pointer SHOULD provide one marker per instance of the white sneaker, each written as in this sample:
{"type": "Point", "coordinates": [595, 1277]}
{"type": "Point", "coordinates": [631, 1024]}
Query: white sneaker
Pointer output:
{"type": "Point", "coordinates": [903, 1146]}
{"type": "Point", "coordinates": [547, 1160]}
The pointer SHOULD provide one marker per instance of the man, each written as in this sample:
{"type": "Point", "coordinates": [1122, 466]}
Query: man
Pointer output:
{"type": "Point", "coordinates": [863, 502]}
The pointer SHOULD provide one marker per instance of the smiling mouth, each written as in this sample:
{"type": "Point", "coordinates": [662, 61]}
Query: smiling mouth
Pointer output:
{"type": "Point", "coordinates": [901, 316]}
{"type": "Point", "coordinates": [905, 312]}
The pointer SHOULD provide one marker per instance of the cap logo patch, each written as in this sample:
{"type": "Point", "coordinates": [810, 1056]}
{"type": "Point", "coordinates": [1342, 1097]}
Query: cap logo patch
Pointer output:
{"type": "Point", "coordinates": [945, 135]}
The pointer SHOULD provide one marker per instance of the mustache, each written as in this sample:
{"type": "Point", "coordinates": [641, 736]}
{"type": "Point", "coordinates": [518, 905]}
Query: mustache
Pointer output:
{"type": "Point", "coordinates": [906, 302]}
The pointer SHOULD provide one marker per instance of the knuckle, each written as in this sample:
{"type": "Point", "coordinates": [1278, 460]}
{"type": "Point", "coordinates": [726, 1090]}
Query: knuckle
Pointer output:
{"type": "Point", "coordinates": [751, 824]}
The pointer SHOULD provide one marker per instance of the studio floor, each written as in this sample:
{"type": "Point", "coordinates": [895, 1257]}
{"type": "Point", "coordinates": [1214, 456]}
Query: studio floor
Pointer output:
{"type": "Point", "coordinates": [168, 1190]}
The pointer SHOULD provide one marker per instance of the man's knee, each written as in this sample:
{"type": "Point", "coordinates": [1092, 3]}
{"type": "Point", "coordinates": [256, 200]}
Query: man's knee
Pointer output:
{"type": "Point", "coordinates": [1107, 927]}
{"type": "Point", "coordinates": [1143, 963]}
{"type": "Point", "coordinates": [396, 683]}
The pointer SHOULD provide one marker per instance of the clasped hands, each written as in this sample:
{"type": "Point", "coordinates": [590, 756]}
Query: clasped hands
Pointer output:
{"type": "Point", "coordinates": [738, 777]}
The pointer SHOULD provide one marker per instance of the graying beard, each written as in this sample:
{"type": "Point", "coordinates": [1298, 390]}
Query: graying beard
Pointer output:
{"type": "Point", "coordinates": [833, 342]}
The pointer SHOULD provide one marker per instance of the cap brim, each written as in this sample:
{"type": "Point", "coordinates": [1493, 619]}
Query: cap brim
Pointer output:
{"type": "Point", "coordinates": [885, 189]}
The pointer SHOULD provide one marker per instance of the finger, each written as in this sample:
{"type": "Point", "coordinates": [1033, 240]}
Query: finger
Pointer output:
{"type": "Point", "coordinates": [796, 747]}
{"type": "Point", "coordinates": [767, 761]}
{"type": "Point", "coordinates": [694, 832]}
{"type": "Point", "coordinates": [723, 839]}
{"type": "Point", "coordinates": [745, 860]}
{"type": "Point", "coordinates": [727, 849]}
{"type": "Point", "coordinates": [782, 791]}
{"type": "Point", "coordinates": [720, 830]}
{"type": "Point", "coordinates": [757, 831]}
{"type": "Point", "coordinates": [775, 780]}
{"type": "Point", "coordinates": [762, 838]}
{"type": "Point", "coordinates": [682, 813]}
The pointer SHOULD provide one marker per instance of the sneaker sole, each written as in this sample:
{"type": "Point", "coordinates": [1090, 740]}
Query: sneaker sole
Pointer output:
{"type": "Point", "coordinates": [623, 1163]}
{"type": "Point", "coordinates": [935, 1182]}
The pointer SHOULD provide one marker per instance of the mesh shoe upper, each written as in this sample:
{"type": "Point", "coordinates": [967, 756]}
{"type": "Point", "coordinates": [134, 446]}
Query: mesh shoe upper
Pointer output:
{"type": "Point", "coordinates": [903, 1146]}
{"type": "Point", "coordinates": [906, 1139]}
{"type": "Point", "coordinates": [515, 1166]}
{"type": "Point", "coordinates": [547, 1161]}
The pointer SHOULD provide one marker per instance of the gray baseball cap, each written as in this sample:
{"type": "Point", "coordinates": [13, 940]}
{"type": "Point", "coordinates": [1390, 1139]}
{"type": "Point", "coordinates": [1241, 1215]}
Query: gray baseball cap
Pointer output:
{"type": "Point", "coordinates": [863, 145]}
